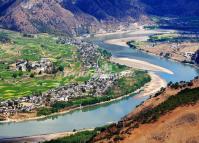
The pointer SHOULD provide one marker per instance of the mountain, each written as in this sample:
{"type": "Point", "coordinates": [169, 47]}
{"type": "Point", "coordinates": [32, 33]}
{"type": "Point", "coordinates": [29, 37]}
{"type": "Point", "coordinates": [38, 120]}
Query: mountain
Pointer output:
{"type": "Point", "coordinates": [65, 16]}
{"type": "Point", "coordinates": [40, 16]}
{"type": "Point", "coordinates": [84, 16]}
{"type": "Point", "coordinates": [111, 9]}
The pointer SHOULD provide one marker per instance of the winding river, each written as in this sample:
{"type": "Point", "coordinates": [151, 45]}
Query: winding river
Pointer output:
{"type": "Point", "coordinates": [103, 114]}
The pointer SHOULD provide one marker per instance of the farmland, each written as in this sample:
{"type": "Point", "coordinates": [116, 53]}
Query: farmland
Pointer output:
{"type": "Point", "coordinates": [32, 48]}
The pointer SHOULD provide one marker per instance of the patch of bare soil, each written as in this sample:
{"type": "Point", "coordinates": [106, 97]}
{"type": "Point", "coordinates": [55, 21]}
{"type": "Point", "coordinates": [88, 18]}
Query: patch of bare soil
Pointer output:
{"type": "Point", "coordinates": [179, 126]}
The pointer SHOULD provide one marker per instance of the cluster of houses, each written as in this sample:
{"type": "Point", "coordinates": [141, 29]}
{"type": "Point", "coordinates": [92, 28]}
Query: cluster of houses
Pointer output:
{"type": "Point", "coordinates": [42, 66]}
{"type": "Point", "coordinates": [88, 52]}
{"type": "Point", "coordinates": [96, 86]}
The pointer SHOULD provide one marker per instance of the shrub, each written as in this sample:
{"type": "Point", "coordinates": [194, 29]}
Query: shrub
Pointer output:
{"type": "Point", "coordinates": [14, 75]}
{"type": "Point", "coordinates": [44, 111]}
{"type": "Point", "coordinates": [61, 68]}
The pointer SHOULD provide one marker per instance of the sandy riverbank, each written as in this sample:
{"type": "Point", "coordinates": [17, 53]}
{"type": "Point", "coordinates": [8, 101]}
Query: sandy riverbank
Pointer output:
{"type": "Point", "coordinates": [138, 64]}
{"type": "Point", "coordinates": [153, 86]}
{"type": "Point", "coordinates": [40, 138]}
{"type": "Point", "coordinates": [138, 35]}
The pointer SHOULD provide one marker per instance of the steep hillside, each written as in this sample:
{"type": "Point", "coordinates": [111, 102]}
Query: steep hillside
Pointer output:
{"type": "Point", "coordinates": [64, 16]}
{"type": "Point", "coordinates": [111, 9]}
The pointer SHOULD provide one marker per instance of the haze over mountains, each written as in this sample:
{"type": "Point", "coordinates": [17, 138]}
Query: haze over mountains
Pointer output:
{"type": "Point", "coordinates": [83, 16]}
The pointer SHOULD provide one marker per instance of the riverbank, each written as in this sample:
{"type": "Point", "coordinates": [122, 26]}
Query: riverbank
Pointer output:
{"type": "Point", "coordinates": [140, 65]}
{"type": "Point", "coordinates": [137, 31]}
{"type": "Point", "coordinates": [41, 138]}
{"type": "Point", "coordinates": [151, 88]}
{"type": "Point", "coordinates": [138, 35]}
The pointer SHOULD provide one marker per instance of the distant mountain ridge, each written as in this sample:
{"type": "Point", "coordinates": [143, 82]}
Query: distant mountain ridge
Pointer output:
{"type": "Point", "coordinates": [172, 7]}
{"type": "Point", "coordinates": [83, 16]}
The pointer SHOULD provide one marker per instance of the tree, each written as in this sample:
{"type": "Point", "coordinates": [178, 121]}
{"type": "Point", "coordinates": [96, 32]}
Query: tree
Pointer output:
{"type": "Point", "coordinates": [14, 75]}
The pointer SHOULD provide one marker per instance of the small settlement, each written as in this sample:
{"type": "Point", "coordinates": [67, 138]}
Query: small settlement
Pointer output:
{"type": "Point", "coordinates": [96, 86]}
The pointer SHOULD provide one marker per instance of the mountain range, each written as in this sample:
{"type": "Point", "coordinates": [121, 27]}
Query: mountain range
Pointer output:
{"type": "Point", "coordinates": [84, 16]}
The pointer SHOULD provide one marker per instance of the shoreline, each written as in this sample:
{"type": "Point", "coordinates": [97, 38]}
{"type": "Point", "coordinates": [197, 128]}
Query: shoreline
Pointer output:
{"type": "Point", "coordinates": [173, 60]}
{"type": "Point", "coordinates": [41, 138]}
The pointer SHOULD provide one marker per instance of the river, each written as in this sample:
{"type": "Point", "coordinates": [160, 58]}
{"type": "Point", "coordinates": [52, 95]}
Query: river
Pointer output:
{"type": "Point", "coordinates": [92, 117]}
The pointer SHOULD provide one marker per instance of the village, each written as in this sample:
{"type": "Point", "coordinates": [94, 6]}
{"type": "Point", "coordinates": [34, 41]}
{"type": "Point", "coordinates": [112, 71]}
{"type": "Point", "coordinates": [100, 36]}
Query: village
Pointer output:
{"type": "Point", "coordinates": [96, 86]}
{"type": "Point", "coordinates": [88, 52]}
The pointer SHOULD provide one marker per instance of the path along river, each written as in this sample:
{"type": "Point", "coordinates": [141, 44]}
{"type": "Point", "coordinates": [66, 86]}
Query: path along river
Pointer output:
{"type": "Point", "coordinates": [103, 114]}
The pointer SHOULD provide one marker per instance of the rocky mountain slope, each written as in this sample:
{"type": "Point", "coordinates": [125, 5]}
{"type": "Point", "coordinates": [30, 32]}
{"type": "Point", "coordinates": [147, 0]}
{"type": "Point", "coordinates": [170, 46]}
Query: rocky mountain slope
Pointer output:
{"type": "Point", "coordinates": [40, 16]}
{"type": "Point", "coordinates": [84, 16]}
